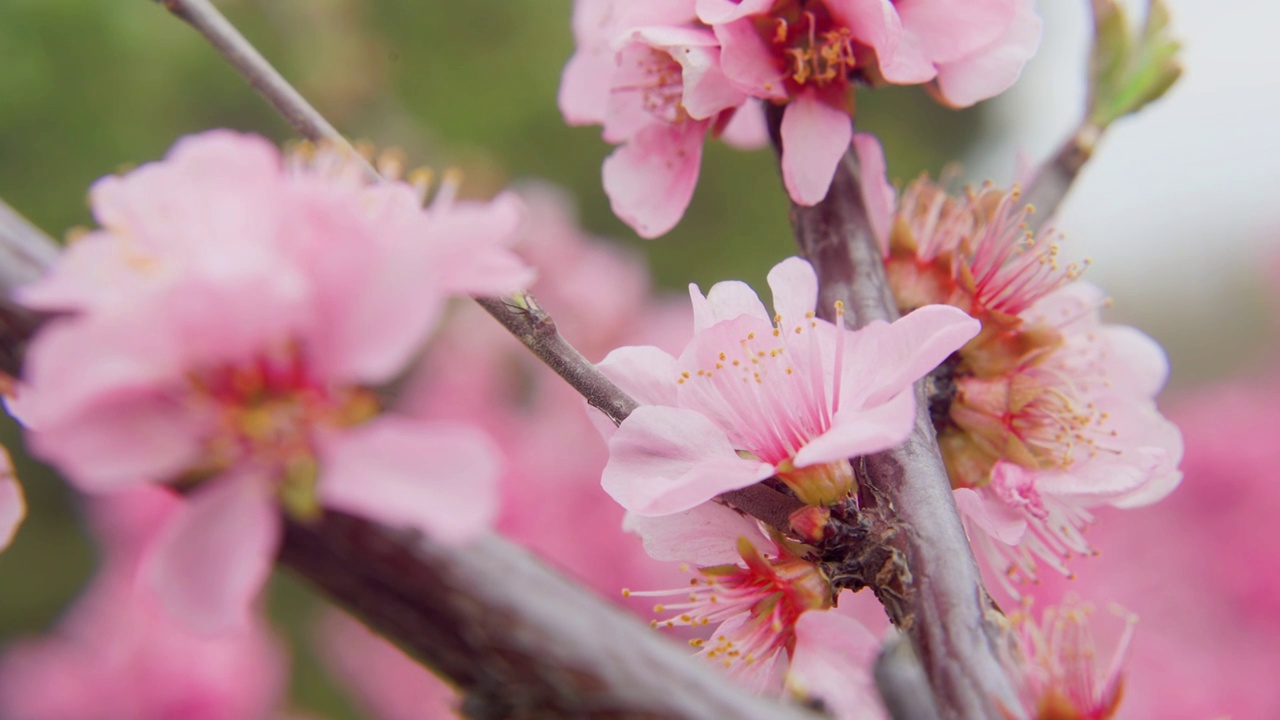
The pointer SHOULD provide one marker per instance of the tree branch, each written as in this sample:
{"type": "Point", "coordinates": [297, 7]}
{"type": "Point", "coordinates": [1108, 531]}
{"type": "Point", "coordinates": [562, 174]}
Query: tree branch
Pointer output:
{"type": "Point", "coordinates": [1054, 179]}
{"type": "Point", "coordinates": [518, 640]}
{"type": "Point", "coordinates": [914, 555]}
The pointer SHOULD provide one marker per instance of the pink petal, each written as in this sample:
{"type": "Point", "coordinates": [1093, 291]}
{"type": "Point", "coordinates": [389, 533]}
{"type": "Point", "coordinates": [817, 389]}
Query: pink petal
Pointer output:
{"type": "Point", "coordinates": [992, 516]}
{"type": "Point", "coordinates": [888, 358]}
{"type": "Point", "coordinates": [877, 193]}
{"type": "Point", "coordinates": [833, 662]}
{"type": "Point", "coordinates": [584, 85]}
{"type": "Point", "coordinates": [211, 560]}
{"type": "Point", "coordinates": [705, 535]}
{"type": "Point", "coordinates": [714, 12]}
{"type": "Point", "coordinates": [858, 431]}
{"type": "Point", "coordinates": [727, 300]}
{"type": "Point", "coordinates": [473, 239]}
{"type": "Point", "coordinates": [438, 478]}
{"type": "Point", "coordinates": [707, 90]}
{"type": "Point", "coordinates": [746, 130]}
{"type": "Point", "coordinates": [12, 506]}
{"type": "Point", "coordinates": [1136, 364]}
{"type": "Point", "coordinates": [644, 372]}
{"type": "Point", "coordinates": [992, 70]}
{"type": "Point", "coordinates": [120, 441]}
{"type": "Point", "coordinates": [795, 289]}
{"type": "Point", "coordinates": [748, 62]}
{"type": "Point", "coordinates": [874, 23]}
{"type": "Point", "coordinates": [815, 136]}
{"type": "Point", "coordinates": [650, 180]}
{"type": "Point", "coordinates": [949, 31]}
{"type": "Point", "coordinates": [663, 460]}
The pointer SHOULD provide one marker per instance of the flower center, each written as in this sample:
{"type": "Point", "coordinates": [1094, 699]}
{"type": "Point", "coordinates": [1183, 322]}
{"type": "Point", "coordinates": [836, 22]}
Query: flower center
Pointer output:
{"type": "Point", "coordinates": [807, 41]}
{"type": "Point", "coordinates": [763, 596]}
{"type": "Point", "coordinates": [265, 413]}
{"type": "Point", "coordinates": [658, 79]}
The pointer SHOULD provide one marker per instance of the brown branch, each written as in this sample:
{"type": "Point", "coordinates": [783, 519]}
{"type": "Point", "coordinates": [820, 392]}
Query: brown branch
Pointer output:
{"type": "Point", "coordinates": [912, 549]}
{"type": "Point", "coordinates": [517, 639]}
{"type": "Point", "coordinates": [1054, 179]}
{"type": "Point", "coordinates": [521, 641]}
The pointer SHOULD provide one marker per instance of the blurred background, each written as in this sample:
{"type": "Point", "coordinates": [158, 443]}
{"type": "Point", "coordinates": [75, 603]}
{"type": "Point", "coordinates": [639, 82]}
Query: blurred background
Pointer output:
{"type": "Point", "coordinates": [1176, 211]}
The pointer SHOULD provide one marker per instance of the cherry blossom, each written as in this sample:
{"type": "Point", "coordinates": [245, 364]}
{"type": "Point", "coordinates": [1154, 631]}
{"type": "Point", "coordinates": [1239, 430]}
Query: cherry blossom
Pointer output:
{"type": "Point", "coordinates": [1048, 412]}
{"type": "Point", "coordinates": [755, 593]}
{"type": "Point", "coordinates": [753, 396]}
{"type": "Point", "coordinates": [653, 80]}
{"type": "Point", "coordinates": [225, 331]}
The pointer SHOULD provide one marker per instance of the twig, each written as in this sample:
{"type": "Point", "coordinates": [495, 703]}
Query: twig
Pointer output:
{"type": "Point", "coordinates": [924, 571]}
{"type": "Point", "coordinates": [517, 639]}
{"type": "Point", "coordinates": [236, 50]}
{"type": "Point", "coordinates": [903, 686]}
{"type": "Point", "coordinates": [1055, 178]}
{"type": "Point", "coordinates": [27, 251]}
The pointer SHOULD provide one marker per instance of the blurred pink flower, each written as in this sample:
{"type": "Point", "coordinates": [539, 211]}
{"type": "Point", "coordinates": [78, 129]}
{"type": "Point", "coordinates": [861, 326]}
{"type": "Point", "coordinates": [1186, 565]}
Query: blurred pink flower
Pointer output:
{"type": "Point", "coordinates": [752, 397]}
{"type": "Point", "coordinates": [12, 507]}
{"type": "Point", "coordinates": [1058, 669]}
{"type": "Point", "coordinates": [117, 654]}
{"type": "Point", "coordinates": [225, 328]}
{"type": "Point", "coordinates": [833, 663]}
{"type": "Point", "coordinates": [387, 684]}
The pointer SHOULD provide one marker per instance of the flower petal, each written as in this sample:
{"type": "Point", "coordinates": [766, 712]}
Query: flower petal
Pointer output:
{"type": "Point", "coordinates": [877, 193]}
{"type": "Point", "coordinates": [746, 130]}
{"type": "Point", "coordinates": [437, 478]}
{"type": "Point", "coordinates": [705, 535]}
{"type": "Point", "coordinates": [651, 179]}
{"type": "Point", "coordinates": [861, 431]}
{"type": "Point", "coordinates": [992, 516]}
{"type": "Point", "coordinates": [815, 136]}
{"type": "Point", "coordinates": [748, 62]}
{"type": "Point", "coordinates": [990, 71]}
{"type": "Point", "coordinates": [832, 662]}
{"type": "Point", "coordinates": [663, 460]}
{"type": "Point", "coordinates": [887, 358]}
{"type": "Point", "coordinates": [644, 372]}
{"type": "Point", "coordinates": [211, 560]}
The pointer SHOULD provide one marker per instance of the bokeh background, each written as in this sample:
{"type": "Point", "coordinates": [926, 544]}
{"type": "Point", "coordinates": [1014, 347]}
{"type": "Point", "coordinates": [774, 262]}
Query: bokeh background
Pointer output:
{"type": "Point", "coordinates": [1176, 212]}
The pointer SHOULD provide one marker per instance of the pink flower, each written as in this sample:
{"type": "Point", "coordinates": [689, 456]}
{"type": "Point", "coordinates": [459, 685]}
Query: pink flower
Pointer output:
{"type": "Point", "coordinates": [762, 600]}
{"type": "Point", "coordinates": [117, 654]}
{"type": "Point", "coordinates": [753, 397]}
{"type": "Point", "coordinates": [1075, 425]}
{"type": "Point", "coordinates": [1058, 669]}
{"type": "Point", "coordinates": [968, 51]}
{"type": "Point", "coordinates": [653, 80]}
{"type": "Point", "coordinates": [12, 506]}
{"type": "Point", "coordinates": [225, 329]}
{"type": "Point", "coordinates": [806, 53]}
{"type": "Point", "coordinates": [1048, 412]}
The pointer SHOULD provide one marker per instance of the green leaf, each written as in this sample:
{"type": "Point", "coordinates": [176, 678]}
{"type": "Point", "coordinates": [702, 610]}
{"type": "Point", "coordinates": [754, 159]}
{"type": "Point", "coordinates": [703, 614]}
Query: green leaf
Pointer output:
{"type": "Point", "coordinates": [1130, 67]}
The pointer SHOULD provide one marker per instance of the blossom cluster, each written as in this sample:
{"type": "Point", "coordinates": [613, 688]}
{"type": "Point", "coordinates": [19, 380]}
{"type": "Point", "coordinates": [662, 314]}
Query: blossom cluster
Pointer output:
{"type": "Point", "coordinates": [1048, 411]}
{"type": "Point", "coordinates": [662, 76]}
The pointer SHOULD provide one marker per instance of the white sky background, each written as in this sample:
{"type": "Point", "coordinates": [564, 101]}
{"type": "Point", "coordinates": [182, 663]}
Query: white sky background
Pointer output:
{"type": "Point", "coordinates": [1180, 207]}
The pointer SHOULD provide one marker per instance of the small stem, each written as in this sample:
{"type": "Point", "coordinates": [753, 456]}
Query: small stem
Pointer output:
{"type": "Point", "coordinates": [241, 55]}
{"type": "Point", "coordinates": [928, 580]}
{"type": "Point", "coordinates": [1055, 178]}
{"type": "Point", "coordinates": [534, 327]}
